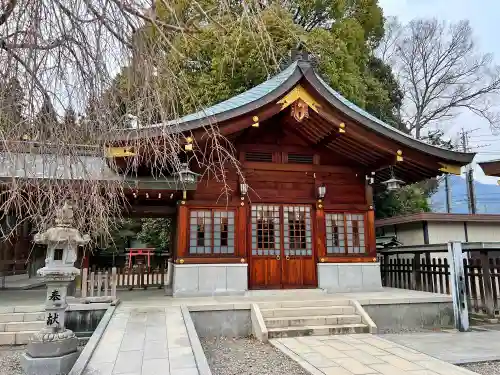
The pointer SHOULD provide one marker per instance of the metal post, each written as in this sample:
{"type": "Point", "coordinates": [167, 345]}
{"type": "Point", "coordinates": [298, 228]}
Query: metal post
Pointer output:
{"type": "Point", "coordinates": [457, 276]}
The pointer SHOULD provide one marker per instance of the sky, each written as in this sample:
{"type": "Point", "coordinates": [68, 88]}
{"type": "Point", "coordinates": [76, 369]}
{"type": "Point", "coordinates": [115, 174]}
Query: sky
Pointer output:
{"type": "Point", "coordinates": [484, 17]}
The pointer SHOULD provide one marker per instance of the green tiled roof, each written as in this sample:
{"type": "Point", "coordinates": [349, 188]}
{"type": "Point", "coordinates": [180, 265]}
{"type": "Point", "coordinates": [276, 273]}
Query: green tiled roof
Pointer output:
{"type": "Point", "coordinates": [240, 100]}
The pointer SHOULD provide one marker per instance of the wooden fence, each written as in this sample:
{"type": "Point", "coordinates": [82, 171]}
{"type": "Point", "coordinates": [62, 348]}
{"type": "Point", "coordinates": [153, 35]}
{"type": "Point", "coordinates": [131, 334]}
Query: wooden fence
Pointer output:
{"type": "Point", "coordinates": [428, 270]}
{"type": "Point", "coordinates": [142, 277]}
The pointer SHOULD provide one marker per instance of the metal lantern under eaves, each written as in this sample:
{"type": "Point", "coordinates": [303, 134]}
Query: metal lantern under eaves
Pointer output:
{"type": "Point", "coordinates": [186, 175]}
{"type": "Point", "coordinates": [393, 184]}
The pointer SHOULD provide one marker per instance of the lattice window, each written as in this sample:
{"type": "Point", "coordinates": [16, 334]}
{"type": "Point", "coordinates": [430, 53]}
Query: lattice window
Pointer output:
{"type": "Point", "coordinates": [297, 234]}
{"type": "Point", "coordinates": [335, 233]}
{"type": "Point", "coordinates": [265, 230]}
{"type": "Point", "coordinates": [355, 233]}
{"type": "Point", "coordinates": [345, 233]}
{"type": "Point", "coordinates": [211, 232]}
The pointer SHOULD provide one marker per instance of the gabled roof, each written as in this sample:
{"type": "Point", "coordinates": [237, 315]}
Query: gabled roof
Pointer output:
{"type": "Point", "coordinates": [269, 92]}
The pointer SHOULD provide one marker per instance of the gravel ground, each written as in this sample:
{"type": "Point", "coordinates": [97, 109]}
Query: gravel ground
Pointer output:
{"type": "Point", "coordinates": [484, 368]}
{"type": "Point", "coordinates": [10, 358]}
{"type": "Point", "coordinates": [247, 356]}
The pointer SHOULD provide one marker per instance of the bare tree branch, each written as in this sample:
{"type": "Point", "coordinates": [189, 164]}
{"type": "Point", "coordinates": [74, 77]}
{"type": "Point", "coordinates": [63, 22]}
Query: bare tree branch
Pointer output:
{"type": "Point", "coordinates": [440, 72]}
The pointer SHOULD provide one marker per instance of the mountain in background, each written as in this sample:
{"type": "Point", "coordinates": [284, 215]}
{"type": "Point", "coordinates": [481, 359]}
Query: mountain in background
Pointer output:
{"type": "Point", "coordinates": [487, 197]}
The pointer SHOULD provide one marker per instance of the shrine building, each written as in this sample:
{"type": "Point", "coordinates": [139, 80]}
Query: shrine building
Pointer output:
{"type": "Point", "coordinates": [300, 212]}
{"type": "Point", "coordinates": [303, 215]}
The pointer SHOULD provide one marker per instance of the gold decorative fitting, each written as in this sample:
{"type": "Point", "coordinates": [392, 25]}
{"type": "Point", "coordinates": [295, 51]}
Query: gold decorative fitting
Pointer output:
{"type": "Point", "coordinates": [342, 128]}
{"type": "Point", "coordinates": [183, 202]}
{"type": "Point", "coordinates": [242, 203]}
{"type": "Point", "coordinates": [371, 207]}
{"type": "Point", "coordinates": [320, 206]}
{"type": "Point", "coordinates": [242, 198]}
{"type": "Point", "coordinates": [300, 110]}
{"type": "Point", "coordinates": [119, 152]}
{"type": "Point", "coordinates": [189, 144]}
{"type": "Point", "coordinates": [322, 260]}
{"type": "Point", "coordinates": [374, 259]}
{"type": "Point", "coordinates": [399, 155]}
{"type": "Point", "coordinates": [181, 261]}
{"type": "Point", "coordinates": [298, 92]}
{"type": "Point", "coordinates": [448, 168]}
{"type": "Point", "coordinates": [242, 260]}
{"type": "Point", "coordinates": [319, 201]}
{"type": "Point", "coordinates": [255, 120]}
{"type": "Point", "coordinates": [184, 194]}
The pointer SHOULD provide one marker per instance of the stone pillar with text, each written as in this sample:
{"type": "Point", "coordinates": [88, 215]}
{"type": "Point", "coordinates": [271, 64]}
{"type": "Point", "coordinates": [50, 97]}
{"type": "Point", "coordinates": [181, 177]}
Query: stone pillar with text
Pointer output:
{"type": "Point", "coordinates": [53, 350]}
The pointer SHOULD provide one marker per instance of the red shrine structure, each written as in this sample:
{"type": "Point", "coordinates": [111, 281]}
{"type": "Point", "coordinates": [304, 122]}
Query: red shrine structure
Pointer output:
{"type": "Point", "coordinates": [303, 215]}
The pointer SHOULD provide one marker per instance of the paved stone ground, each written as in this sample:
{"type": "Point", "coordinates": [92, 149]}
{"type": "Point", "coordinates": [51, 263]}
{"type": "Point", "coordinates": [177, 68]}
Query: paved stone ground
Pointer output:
{"type": "Point", "coordinates": [361, 354]}
{"type": "Point", "coordinates": [144, 341]}
{"type": "Point", "coordinates": [453, 347]}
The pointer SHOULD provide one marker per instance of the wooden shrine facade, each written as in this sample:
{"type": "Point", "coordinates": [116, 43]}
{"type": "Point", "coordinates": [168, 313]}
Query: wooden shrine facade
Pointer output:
{"type": "Point", "coordinates": [300, 214]}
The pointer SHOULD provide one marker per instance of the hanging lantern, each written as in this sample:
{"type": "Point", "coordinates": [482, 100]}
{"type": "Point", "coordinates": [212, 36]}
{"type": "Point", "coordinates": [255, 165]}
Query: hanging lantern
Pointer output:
{"type": "Point", "coordinates": [186, 175]}
{"type": "Point", "coordinates": [393, 183]}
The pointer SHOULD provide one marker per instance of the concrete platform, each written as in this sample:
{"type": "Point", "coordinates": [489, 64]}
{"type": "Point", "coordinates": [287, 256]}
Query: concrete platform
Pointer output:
{"type": "Point", "coordinates": [387, 296]}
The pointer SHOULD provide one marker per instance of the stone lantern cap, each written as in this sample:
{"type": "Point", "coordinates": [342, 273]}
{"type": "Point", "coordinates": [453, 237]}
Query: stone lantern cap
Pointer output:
{"type": "Point", "coordinates": [62, 242]}
{"type": "Point", "coordinates": [63, 232]}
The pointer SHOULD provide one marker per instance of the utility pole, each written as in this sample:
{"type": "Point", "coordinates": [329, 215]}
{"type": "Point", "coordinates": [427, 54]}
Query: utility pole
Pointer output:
{"type": "Point", "coordinates": [469, 174]}
{"type": "Point", "coordinates": [448, 192]}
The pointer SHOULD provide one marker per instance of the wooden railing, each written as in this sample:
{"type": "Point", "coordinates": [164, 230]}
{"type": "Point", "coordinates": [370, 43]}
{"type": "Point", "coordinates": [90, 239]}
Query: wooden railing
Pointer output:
{"type": "Point", "coordinates": [99, 284]}
{"type": "Point", "coordinates": [102, 282]}
{"type": "Point", "coordinates": [426, 268]}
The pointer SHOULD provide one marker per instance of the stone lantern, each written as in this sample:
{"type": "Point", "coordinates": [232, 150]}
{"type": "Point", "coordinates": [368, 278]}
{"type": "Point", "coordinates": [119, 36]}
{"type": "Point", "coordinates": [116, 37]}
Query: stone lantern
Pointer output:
{"type": "Point", "coordinates": [53, 350]}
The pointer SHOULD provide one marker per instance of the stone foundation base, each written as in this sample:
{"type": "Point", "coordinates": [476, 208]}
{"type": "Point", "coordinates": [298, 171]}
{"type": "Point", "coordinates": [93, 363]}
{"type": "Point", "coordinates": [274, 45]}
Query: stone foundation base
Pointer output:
{"type": "Point", "coordinates": [48, 366]}
{"type": "Point", "coordinates": [195, 280]}
{"type": "Point", "coordinates": [349, 277]}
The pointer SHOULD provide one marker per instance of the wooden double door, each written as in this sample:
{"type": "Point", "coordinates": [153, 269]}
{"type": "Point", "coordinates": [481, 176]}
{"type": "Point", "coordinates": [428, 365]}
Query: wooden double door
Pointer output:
{"type": "Point", "coordinates": [282, 247]}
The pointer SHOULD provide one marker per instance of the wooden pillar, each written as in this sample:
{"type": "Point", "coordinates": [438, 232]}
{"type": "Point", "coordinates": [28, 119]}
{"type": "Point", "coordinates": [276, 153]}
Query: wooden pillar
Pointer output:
{"type": "Point", "coordinates": [182, 231]}
{"type": "Point", "coordinates": [320, 232]}
{"type": "Point", "coordinates": [371, 241]}
{"type": "Point", "coordinates": [242, 231]}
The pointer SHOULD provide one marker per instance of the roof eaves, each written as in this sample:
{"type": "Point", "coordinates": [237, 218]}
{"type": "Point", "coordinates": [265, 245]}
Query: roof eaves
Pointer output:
{"type": "Point", "coordinates": [377, 125]}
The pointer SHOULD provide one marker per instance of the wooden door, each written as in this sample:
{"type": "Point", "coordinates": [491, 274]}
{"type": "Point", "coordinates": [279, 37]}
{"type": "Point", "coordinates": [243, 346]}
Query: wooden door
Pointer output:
{"type": "Point", "coordinates": [298, 266]}
{"type": "Point", "coordinates": [265, 240]}
{"type": "Point", "coordinates": [282, 253]}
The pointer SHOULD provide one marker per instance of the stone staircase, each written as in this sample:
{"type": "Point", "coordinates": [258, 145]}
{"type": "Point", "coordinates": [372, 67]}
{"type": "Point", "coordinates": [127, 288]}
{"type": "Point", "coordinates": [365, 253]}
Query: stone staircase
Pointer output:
{"type": "Point", "coordinates": [18, 324]}
{"type": "Point", "coordinates": [314, 318]}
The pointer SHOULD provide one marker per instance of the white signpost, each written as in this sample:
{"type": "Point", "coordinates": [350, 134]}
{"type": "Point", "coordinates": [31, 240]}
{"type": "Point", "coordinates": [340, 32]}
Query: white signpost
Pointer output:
{"type": "Point", "coordinates": [458, 287]}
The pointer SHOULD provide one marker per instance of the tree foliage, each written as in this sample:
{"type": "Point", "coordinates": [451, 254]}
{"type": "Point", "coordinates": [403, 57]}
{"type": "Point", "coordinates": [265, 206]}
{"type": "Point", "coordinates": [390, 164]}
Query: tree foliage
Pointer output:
{"type": "Point", "coordinates": [156, 232]}
{"type": "Point", "coordinates": [339, 33]}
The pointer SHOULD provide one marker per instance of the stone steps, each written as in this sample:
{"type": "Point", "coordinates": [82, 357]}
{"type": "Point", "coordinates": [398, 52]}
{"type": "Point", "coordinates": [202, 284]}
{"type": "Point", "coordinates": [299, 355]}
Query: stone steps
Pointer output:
{"type": "Point", "coordinates": [15, 338]}
{"type": "Point", "coordinates": [312, 318]}
{"type": "Point", "coordinates": [307, 311]}
{"type": "Point", "coordinates": [295, 321]}
{"type": "Point", "coordinates": [19, 323]}
{"type": "Point", "coordinates": [21, 326]}
{"type": "Point", "coordinates": [22, 317]}
{"type": "Point", "coordinates": [333, 329]}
